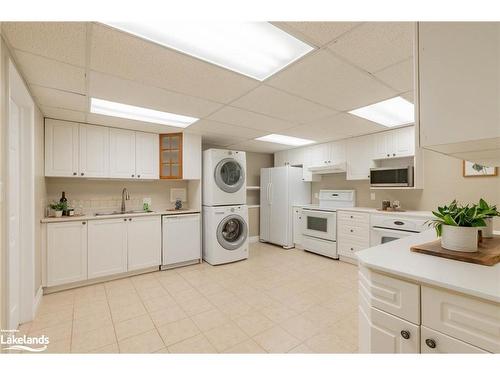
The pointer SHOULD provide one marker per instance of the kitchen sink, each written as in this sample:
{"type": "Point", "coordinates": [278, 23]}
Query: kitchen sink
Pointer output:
{"type": "Point", "coordinates": [122, 213]}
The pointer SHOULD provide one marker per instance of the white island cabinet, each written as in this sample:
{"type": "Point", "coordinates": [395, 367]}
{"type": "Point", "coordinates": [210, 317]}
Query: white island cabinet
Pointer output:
{"type": "Point", "coordinates": [417, 303]}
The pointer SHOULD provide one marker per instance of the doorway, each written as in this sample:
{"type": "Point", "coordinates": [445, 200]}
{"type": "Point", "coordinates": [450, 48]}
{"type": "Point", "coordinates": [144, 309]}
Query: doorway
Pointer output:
{"type": "Point", "coordinates": [20, 210]}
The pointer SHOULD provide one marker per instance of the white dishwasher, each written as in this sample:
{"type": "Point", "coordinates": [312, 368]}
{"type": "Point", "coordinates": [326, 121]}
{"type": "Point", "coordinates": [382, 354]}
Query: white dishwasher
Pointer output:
{"type": "Point", "coordinates": [181, 240]}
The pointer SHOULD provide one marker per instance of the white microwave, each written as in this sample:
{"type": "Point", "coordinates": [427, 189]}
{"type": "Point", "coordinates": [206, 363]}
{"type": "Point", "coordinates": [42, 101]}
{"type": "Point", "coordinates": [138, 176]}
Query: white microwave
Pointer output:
{"type": "Point", "coordinates": [380, 177]}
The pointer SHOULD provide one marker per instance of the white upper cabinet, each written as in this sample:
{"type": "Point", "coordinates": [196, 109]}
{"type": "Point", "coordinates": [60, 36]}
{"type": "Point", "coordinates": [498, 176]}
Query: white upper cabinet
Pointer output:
{"type": "Point", "coordinates": [281, 158]}
{"type": "Point", "coordinates": [61, 148]}
{"type": "Point", "coordinates": [147, 162]}
{"type": "Point", "coordinates": [121, 153]}
{"type": "Point", "coordinates": [94, 151]}
{"type": "Point", "coordinates": [395, 143]}
{"type": "Point", "coordinates": [338, 152]}
{"type": "Point", "coordinates": [191, 156]}
{"type": "Point", "coordinates": [458, 96]}
{"type": "Point", "coordinates": [320, 153]}
{"type": "Point", "coordinates": [359, 155]}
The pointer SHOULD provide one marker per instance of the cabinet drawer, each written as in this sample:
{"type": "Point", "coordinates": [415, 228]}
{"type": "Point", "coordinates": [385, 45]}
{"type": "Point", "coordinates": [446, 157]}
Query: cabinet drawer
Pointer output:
{"type": "Point", "coordinates": [391, 295]}
{"type": "Point", "coordinates": [348, 246]}
{"type": "Point", "coordinates": [435, 342]}
{"type": "Point", "coordinates": [361, 230]}
{"type": "Point", "coordinates": [472, 320]}
{"type": "Point", "coordinates": [354, 216]}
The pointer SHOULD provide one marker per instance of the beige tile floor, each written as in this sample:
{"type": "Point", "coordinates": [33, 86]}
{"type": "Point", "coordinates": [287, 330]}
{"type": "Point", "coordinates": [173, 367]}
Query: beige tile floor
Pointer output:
{"type": "Point", "coordinates": [277, 301]}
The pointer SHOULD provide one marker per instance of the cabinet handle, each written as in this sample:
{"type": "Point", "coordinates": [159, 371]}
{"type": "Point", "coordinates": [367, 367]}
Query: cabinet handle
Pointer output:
{"type": "Point", "coordinates": [405, 334]}
{"type": "Point", "coordinates": [388, 155]}
{"type": "Point", "coordinates": [84, 222]}
{"type": "Point", "coordinates": [81, 174]}
{"type": "Point", "coordinates": [430, 343]}
{"type": "Point", "coordinates": [138, 176]}
{"type": "Point", "coordinates": [132, 175]}
{"type": "Point", "coordinates": [74, 173]}
{"type": "Point", "coordinates": [393, 154]}
{"type": "Point", "coordinates": [352, 230]}
{"type": "Point", "coordinates": [352, 248]}
{"type": "Point", "coordinates": [130, 219]}
{"type": "Point", "coordinates": [124, 219]}
{"type": "Point", "coordinates": [352, 217]}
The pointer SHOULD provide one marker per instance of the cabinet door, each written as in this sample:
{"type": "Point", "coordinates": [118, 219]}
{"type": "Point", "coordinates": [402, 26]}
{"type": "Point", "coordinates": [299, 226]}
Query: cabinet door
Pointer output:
{"type": "Point", "coordinates": [107, 247]}
{"type": "Point", "coordinates": [280, 158]}
{"type": "Point", "coordinates": [359, 157]}
{"type": "Point", "coordinates": [191, 156]}
{"type": "Point", "coordinates": [297, 226]}
{"type": "Point", "coordinates": [146, 156]}
{"type": "Point", "coordinates": [380, 150]}
{"type": "Point", "coordinates": [338, 152]}
{"type": "Point", "coordinates": [144, 242]}
{"type": "Point", "coordinates": [181, 238]}
{"type": "Point", "coordinates": [296, 156]}
{"type": "Point", "coordinates": [121, 153]}
{"type": "Point", "coordinates": [437, 342]}
{"type": "Point", "coordinates": [404, 144]}
{"type": "Point", "coordinates": [61, 148]}
{"type": "Point", "coordinates": [94, 151]}
{"type": "Point", "coordinates": [320, 154]}
{"type": "Point", "coordinates": [66, 252]}
{"type": "Point", "coordinates": [171, 156]}
{"type": "Point", "coordinates": [384, 333]}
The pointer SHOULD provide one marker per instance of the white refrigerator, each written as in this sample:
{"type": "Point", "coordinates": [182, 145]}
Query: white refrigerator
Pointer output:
{"type": "Point", "coordinates": [280, 189]}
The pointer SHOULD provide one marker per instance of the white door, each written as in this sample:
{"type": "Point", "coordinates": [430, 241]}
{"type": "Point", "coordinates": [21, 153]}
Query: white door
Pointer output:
{"type": "Point", "coordinates": [280, 226]}
{"type": "Point", "coordinates": [66, 252]}
{"type": "Point", "coordinates": [265, 203]}
{"type": "Point", "coordinates": [107, 247]}
{"type": "Point", "coordinates": [359, 156]}
{"type": "Point", "coordinates": [181, 238]}
{"type": "Point", "coordinates": [147, 158]}
{"type": "Point", "coordinates": [143, 242]}
{"type": "Point", "coordinates": [384, 333]}
{"type": "Point", "coordinates": [61, 148]}
{"type": "Point", "coordinates": [94, 151]}
{"type": "Point", "coordinates": [14, 229]}
{"type": "Point", "coordinates": [121, 153]}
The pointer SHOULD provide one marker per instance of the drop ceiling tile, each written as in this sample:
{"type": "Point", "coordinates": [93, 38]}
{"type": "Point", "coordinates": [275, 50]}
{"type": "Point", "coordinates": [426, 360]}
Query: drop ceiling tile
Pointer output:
{"type": "Point", "coordinates": [399, 76]}
{"type": "Point", "coordinates": [62, 114]}
{"type": "Point", "coordinates": [315, 132]}
{"type": "Point", "coordinates": [59, 99]}
{"type": "Point", "coordinates": [275, 103]}
{"type": "Point", "coordinates": [208, 126]}
{"type": "Point", "coordinates": [409, 96]}
{"type": "Point", "coordinates": [240, 117]}
{"type": "Point", "coordinates": [118, 53]}
{"type": "Point", "coordinates": [112, 88]}
{"type": "Point", "coordinates": [62, 41]}
{"type": "Point", "coordinates": [330, 81]}
{"type": "Point", "coordinates": [116, 122]}
{"type": "Point", "coordinates": [220, 140]}
{"type": "Point", "coordinates": [376, 45]}
{"type": "Point", "coordinates": [258, 146]}
{"type": "Point", "coordinates": [51, 73]}
{"type": "Point", "coordinates": [319, 33]}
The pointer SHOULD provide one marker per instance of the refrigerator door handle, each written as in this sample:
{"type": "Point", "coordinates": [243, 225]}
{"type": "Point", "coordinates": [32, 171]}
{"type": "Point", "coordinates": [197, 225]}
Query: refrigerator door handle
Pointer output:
{"type": "Point", "coordinates": [267, 193]}
{"type": "Point", "coordinates": [271, 193]}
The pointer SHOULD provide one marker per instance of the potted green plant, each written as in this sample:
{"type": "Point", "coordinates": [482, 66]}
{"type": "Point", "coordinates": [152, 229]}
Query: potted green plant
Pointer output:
{"type": "Point", "coordinates": [458, 226]}
{"type": "Point", "coordinates": [58, 208]}
{"type": "Point", "coordinates": [490, 211]}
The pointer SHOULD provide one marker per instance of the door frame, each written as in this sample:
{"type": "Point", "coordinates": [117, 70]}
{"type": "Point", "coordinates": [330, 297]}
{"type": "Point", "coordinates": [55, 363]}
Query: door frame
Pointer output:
{"type": "Point", "coordinates": [16, 89]}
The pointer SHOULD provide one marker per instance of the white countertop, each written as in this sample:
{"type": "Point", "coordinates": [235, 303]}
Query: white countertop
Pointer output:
{"type": "Point", "coordinates": [117, 216]}
{"type": "Point", "coordinates": [371, 210]}
{"type": "Point", "coordinates": [396, 258]}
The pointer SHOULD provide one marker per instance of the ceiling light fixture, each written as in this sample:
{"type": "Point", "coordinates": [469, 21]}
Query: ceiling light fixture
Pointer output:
{"type": "Point", "coordinates": [255, 49]}
{"type": "Point", "coordinates": [390, 112]}
{"type": "Point", "coordinates": [285, 140]}
{"type": "Point", "coordinates": [108, 108]}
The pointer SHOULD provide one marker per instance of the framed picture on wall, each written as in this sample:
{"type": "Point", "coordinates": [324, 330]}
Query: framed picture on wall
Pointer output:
{"type": "Point", "coordinates": [471, 169]}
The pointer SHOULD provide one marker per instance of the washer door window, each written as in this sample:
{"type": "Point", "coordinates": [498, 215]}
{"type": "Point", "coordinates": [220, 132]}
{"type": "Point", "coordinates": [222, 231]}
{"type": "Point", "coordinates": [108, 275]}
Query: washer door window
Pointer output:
{"type": "Point", "coordinates": [232, 232]}
{"type": "Point", "coordinates": [229, 175]}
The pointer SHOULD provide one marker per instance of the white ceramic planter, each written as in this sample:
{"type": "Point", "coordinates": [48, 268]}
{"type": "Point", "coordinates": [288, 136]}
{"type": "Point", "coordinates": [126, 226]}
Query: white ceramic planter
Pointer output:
{"type": "Point", "coordinates": [58, 213]}
{"type": "Point", "coordinates": [459, 238]}
{"type": "Point", "coordinates": [487, 231]}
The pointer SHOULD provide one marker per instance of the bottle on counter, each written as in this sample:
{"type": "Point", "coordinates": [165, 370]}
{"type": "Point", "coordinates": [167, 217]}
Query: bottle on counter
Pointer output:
{"type": "Point", "coordinates": [65, 201]}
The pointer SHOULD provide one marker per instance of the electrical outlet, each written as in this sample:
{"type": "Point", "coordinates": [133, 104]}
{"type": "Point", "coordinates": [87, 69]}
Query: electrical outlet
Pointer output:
{"type": "Point", "coordinates": [316, 195]}
{"type": "Point", "coordinates": [372, 196]}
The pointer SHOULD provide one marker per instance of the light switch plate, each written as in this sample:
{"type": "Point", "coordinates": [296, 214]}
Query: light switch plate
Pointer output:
{"type": "Point", "coordinates": [372, 196]}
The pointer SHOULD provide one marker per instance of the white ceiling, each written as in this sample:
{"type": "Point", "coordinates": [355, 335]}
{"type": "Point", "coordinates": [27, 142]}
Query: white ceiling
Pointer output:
{"type": "Point", "coordinates": [354, 64]}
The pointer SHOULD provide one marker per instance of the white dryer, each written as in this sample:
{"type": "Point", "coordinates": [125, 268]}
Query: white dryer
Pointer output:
{"type": "Point", "coordinates": [225, 234]}
{"type": "Point", "coordinates": [224, 177]}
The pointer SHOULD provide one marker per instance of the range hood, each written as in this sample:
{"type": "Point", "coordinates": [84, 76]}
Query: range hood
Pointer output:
{"type": "Point", "coordinates": [328, 168]}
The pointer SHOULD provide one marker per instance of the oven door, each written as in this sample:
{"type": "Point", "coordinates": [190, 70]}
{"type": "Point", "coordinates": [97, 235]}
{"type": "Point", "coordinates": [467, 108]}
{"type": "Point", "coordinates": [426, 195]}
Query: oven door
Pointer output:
{"type": "Point", "coordinates": [319, 224]}
{"type": "Point", "coordinates": [379, 236]}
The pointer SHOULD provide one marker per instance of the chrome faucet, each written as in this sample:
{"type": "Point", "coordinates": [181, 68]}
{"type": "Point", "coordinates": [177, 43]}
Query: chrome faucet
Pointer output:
{"type": "Point", "coordinates": [125, 196]}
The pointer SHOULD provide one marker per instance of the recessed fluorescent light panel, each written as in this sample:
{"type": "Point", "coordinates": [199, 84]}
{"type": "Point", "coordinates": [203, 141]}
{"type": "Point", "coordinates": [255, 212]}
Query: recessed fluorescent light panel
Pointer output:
{"type": "Point", "coordinates": [391, 112]}
{"type": "Point", "coordinates": [107, 108]}
{"type": "Point", "coordinates": [285, 140]}
{"type": "Point", "coordinates": [255, 49]}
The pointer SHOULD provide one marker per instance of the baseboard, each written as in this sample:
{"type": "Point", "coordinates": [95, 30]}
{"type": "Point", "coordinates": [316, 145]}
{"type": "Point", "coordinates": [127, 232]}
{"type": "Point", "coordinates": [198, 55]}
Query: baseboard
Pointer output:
{"type": "Point", "coordinates": [37, 301]}
{"type": "Point", "coordinates": [253, 239]}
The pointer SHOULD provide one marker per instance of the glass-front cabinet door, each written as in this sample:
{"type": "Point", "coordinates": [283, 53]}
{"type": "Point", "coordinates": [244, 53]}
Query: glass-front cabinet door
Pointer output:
{"type": "Point", "coordinates": [171, 156]}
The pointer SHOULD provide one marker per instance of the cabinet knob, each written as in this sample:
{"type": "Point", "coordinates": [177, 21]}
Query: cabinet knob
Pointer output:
{"type": "Point", "coordinates": [405, 334]}
{"type": "Point", "coordinates": [388, 155]}
{"type": "Point", "coordinates": [352, 230]}
{"type": "Point", "coordinates": [352, 248]}
{"type": "Point", "coordinates": [125, 219]}
{"type": "Point", "coordinates": [352, 217]}
{"type": "Point", "coordinates": [74, 173]}
{"type": "Point", "coordinates": [81, 174]}
{"type": "Point", "coordinates": [132, 175]}
{"type": "Point", "coordinates": [430, 343]}
{"type": "Point", "coordinates": [393, 154]}
{"type": "Point", "coordinates": [138, 176]}
{"type": "Point", "coordinates": [130, 219]}
{"type": "Point", "coordinates": [84, 222]}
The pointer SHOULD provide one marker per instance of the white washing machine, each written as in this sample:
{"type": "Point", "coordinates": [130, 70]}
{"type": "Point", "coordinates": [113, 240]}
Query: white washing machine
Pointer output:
{"type": "Point", "coordinates": [224, 177]}
{"type": "Point", "coordinates": [225, 234]}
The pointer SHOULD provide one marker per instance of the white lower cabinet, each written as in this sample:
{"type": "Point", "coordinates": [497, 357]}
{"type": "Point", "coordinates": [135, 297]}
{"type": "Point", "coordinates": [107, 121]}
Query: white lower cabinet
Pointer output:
{"type": "Point", "coordinates": [353, 234]}
{"type": "Point", "coordinates": [450, 322]}
{"type": "Point", "coordinates": [66, 252]}
{"type": "Point", "coordinates": [297, 227]}
{"type": "Point", "coordinates": [107, 247]}
{"type": "Point", "coordinates": [143, 242]}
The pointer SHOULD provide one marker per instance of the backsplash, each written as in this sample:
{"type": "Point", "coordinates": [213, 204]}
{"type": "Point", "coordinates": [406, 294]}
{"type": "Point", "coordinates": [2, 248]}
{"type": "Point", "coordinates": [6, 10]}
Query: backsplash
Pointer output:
{"type": "Point", "coordinates": [91, 196]}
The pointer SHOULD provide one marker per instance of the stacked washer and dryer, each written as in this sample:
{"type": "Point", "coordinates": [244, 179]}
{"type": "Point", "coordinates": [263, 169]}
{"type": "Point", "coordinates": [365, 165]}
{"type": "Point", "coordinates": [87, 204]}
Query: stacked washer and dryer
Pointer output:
{"type": "Point", "coordinates": [225, 213]}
